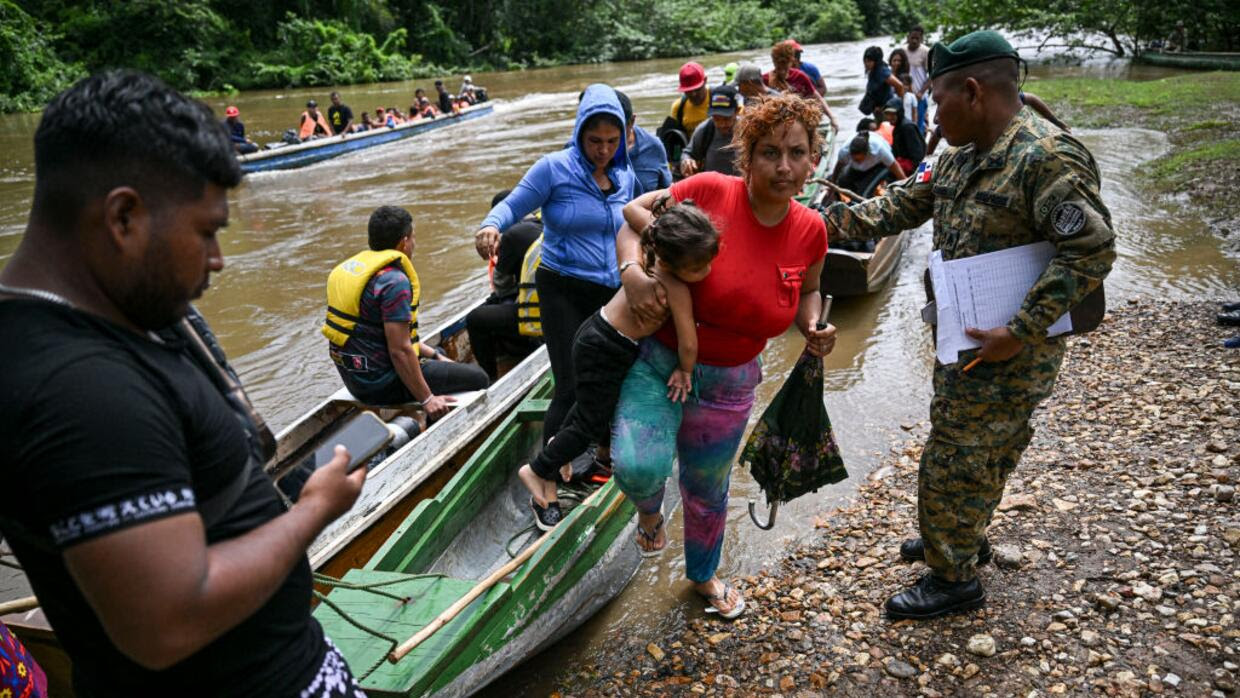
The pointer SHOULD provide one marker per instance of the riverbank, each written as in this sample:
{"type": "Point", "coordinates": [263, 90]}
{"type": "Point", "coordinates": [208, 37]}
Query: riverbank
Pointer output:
{"type": "Point", "coordinates": [1200, 112]}
{"type": "Point", "coordinates": [1116, 555]}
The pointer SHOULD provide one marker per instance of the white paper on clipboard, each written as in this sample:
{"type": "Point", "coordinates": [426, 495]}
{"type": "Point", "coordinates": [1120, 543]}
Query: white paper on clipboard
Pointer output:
{"type": "Point", "coordinates": [985, 291]}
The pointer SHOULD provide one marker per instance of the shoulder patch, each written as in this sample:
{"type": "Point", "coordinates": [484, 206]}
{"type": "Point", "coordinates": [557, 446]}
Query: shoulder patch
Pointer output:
{"type": "Point", "coordinates": [1067, 219]}
{"type": "Point", "coordinates": [925, 171]}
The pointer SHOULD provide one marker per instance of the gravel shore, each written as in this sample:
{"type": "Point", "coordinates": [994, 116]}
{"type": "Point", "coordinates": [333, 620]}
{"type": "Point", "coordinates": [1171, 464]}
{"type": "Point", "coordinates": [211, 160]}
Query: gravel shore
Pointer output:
{"type": "Point", "coordinates": [1116, 551]}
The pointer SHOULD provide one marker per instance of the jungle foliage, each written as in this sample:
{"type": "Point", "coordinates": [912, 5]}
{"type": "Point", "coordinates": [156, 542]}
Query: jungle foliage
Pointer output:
{"type": "Point", "coordinates": [223, 45]}
{"type": "Point", "coordinates": [1112, 26]}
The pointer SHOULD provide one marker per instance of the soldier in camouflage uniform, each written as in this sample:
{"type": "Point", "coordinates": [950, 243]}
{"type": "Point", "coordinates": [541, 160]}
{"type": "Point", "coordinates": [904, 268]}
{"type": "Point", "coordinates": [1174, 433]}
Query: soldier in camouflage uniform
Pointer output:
{"type": "Point", "coordinates": [1011, 179]}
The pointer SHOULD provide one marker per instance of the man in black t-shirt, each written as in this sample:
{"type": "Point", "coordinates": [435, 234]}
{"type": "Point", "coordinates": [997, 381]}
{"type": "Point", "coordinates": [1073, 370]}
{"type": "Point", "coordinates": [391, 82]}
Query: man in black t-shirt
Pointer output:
{"type": "Point", "coordinates": [134, 495]}
{"type": "Point", "coordinates": [446, 105]}
{"type": "Point", "coordinates": [339, 115]}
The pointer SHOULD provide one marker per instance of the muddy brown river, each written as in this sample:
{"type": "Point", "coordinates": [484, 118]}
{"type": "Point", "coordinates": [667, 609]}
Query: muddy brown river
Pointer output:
{"type": "Point", "coordinates": [289, 228]}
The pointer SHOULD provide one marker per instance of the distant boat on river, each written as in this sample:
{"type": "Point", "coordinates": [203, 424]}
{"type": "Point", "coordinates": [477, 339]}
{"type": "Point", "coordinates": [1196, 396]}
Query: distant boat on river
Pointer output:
{"type": "Point", "coordinates": [1191, 59]}
{"type": "Point", "coordinates": [287, 157]}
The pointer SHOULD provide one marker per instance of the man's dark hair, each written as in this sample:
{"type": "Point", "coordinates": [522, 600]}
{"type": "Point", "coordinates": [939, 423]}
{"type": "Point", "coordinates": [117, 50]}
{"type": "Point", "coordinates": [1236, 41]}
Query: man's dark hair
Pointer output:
{"type": "Point", "coordinates": [439, 83]}
{"type": "Point", "coordinates": [873, 53]}
{"type": "Point", "coordinates": [503, 194]}
{"type": "Point", "coordinates": [917, 28]}
{"type": "Point", "coordinates": [388, 225]}
{"type": "Point", "coordinates": [334, 94]}
{"type": "Point", "coordinates": [126, 128]}
{"type": "Point", "coordinates": [859, 144]}
{"type": "Point", "coordinates": [626, 106]}
{"type": "Point", "coordinates": [865, 125]}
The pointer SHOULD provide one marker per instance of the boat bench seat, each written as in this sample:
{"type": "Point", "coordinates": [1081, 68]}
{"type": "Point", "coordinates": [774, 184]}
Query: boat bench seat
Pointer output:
{"type": "Point", "coordinates": [343, 395]}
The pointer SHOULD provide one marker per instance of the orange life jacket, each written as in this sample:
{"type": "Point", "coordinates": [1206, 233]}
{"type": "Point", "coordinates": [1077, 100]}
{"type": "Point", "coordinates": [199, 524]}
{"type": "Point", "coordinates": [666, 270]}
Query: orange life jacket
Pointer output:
{"type": "Point", "coordinates": [308, 125]}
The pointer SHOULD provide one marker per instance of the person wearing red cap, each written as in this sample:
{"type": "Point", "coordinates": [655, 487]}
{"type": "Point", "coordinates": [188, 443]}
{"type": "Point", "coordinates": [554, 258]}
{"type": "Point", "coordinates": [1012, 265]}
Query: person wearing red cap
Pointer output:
{"type": "Point", "coordinates": [236, 131]}
{"type": "Point", "coordinates": [690, 108]}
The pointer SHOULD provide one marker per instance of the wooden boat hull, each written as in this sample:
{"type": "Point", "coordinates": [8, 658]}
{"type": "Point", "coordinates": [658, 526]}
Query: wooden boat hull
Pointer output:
{"type": "Point", "coordinates": [294, 156]}
{"type": "Point", "coordinates": [1191, 59]}
{"type": "Point", "coordinates": [460, 534]}
{"type": "Point", "coordinates": [848, 273]}
{"type": "Point", "coordinates": [859, 272]}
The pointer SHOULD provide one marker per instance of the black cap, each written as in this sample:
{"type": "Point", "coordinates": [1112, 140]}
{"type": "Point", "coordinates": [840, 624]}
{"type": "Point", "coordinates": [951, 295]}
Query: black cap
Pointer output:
{"type": "Point", "coordinates": [722, 101]}
{"type": "Point", "coordinates": [312, 103]}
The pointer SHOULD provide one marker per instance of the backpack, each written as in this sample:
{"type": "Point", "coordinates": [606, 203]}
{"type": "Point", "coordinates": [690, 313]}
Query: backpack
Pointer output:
{"type": "Point", "coordinates": [672, 133]}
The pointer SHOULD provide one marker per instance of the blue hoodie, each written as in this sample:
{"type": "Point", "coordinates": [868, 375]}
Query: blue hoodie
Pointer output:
{"type": "Point", "coordinates": [579, 222]}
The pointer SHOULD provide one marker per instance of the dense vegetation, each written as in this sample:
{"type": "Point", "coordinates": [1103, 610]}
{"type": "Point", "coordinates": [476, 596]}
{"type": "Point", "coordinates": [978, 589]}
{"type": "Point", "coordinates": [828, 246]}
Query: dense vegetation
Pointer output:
{"type": "Point", "coordinates": [221, 45]}
{"type": "Point", "coordinates": [1120, 27]}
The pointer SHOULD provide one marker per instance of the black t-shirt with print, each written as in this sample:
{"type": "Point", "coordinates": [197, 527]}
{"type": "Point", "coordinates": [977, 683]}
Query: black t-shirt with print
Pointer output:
{"type": "Point", "coordinates": [102, 429]}
{"type": "Point", "coordinates": [338, 116]}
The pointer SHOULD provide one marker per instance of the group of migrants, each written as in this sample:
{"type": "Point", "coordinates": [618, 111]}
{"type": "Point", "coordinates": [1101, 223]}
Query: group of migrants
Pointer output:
{"type": "Point", "coordinates": [340, 121]}
{"type": "Point", "coordinates": [135, 498]}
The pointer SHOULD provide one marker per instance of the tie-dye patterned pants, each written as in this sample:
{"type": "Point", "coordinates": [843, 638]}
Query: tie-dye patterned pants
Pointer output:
{"type": "Point", "coordinates": [702, 434]}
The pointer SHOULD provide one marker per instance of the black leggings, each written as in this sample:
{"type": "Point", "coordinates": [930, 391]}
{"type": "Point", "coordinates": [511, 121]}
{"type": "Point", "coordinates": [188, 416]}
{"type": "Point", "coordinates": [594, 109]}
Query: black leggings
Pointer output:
{"type": "Point", "coordinates": [564, 303]}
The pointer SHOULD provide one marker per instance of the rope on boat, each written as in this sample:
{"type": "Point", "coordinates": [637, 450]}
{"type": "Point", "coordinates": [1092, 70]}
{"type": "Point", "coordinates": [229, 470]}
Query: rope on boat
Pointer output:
{"type": "Point", "coordinates": [392, 642]}
{"type": "Point", "coordinates": [373, 588]}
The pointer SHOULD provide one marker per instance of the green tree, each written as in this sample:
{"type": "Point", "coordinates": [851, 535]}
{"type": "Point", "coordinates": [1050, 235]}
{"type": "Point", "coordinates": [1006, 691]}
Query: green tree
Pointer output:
{"type": "Point", "coordinates": [33, 73]}
{"type": "Point", "coordinates": [1120, 28]}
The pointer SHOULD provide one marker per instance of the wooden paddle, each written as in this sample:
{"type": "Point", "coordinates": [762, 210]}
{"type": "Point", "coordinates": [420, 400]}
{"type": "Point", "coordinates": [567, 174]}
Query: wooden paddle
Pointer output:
{"type": "Point", "coordinates": [482, 587]}
{"type": "Point", "coordinates": [19, 605]}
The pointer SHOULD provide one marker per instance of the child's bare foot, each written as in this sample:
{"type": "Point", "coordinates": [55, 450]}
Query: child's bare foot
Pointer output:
{"type": "Point", "coordinates": [566, 472]}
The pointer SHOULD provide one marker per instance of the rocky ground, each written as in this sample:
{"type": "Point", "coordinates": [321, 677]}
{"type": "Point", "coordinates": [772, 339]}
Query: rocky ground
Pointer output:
{"type": "Point", "coordinates": [1115, 571]}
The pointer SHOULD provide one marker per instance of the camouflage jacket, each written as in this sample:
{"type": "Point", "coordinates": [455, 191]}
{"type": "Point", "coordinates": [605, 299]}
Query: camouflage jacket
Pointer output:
{"type": "Point", "coordinates": [1036, 183]}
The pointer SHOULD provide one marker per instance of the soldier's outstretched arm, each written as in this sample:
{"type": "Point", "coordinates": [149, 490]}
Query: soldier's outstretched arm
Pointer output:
{"type": "Point", "coordinates": [1067, 210]}
{"type": "Point", "coordinates": [906, 204]}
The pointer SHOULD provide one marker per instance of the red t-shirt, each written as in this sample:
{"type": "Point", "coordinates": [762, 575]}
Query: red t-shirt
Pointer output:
{"type": "Point", "coordinates": [798, 82]}
{"type": "Point", "coordinates": [754, 286]}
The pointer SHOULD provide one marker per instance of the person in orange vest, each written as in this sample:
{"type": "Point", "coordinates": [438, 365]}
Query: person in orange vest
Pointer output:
{"type": "Point", "coordinates": [312, 124]}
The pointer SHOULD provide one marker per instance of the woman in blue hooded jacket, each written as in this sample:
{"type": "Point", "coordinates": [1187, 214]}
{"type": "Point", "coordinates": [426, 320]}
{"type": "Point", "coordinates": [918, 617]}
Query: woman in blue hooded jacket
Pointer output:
{"type": "Point", "coordinates": [581, 191]}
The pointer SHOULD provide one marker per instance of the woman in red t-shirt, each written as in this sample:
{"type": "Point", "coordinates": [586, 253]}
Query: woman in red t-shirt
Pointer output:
{"type": "Point", "coordinates": [764, 279]}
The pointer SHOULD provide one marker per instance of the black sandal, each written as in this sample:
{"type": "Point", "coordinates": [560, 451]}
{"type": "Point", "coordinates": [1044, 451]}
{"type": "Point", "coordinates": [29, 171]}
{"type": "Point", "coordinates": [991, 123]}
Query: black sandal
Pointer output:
{"type": "Point", "coordinates": [651, 537]}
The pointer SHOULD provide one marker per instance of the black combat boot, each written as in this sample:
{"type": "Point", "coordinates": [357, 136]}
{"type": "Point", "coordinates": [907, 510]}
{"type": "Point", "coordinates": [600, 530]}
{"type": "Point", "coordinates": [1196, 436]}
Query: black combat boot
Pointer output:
{"type": "Point", "coordinates": [933, 597]}
{"type": "Point", "coordinates": [1230, 318]}
{"type": "Point", "coordinates": [914, 549]}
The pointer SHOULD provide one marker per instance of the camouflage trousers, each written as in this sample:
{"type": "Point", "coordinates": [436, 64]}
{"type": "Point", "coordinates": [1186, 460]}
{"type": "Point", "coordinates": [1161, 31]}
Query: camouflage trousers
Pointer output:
{"type": "Point", "coordinates": [979, 427]}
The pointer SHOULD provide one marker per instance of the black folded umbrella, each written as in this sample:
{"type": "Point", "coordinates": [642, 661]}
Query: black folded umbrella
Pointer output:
{"type": "Point", "coordinates": [792, 450]}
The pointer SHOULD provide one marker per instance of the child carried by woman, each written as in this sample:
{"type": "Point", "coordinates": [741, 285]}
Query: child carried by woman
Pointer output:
{"type": "Point", "coordinates": [679, 247]}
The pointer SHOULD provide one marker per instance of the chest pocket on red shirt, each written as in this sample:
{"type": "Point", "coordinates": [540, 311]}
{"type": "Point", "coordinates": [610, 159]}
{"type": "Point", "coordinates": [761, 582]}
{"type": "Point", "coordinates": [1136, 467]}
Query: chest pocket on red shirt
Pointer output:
{"type": "Point", "coordinates": [791, 277]}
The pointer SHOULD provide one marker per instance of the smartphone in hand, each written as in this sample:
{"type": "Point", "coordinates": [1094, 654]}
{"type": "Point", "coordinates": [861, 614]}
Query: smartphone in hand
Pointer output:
{"type": "Point", "coordinates": [364, 436]}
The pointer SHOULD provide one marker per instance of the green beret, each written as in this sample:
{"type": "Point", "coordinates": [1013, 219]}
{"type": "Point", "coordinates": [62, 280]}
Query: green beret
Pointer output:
{"type": "Point", "coordinates": [967, 50]}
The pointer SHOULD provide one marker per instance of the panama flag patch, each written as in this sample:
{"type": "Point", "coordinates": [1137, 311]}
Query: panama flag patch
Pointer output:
{"type": "Point", "coordinates": [924, 170]}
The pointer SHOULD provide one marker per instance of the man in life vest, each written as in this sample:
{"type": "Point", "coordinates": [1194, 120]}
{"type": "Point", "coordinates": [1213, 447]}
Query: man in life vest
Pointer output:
{"type": "Point", "coordinates": [508, 322]}
{"type": "Point", "coordinates": [312, 123]}
{"type": "Point", "coordinates": [372, 324]}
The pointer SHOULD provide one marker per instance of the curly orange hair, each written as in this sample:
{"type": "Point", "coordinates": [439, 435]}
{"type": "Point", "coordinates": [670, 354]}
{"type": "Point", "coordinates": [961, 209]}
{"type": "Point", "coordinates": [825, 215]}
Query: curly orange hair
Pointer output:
{"type": "Point", "coordinates": [783, 53]}
{"type": "Point", "coordinates": [762, 120]}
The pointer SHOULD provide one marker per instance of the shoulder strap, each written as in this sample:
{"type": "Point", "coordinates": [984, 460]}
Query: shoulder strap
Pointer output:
{"type": "Point", "coordinates": [680, 110]}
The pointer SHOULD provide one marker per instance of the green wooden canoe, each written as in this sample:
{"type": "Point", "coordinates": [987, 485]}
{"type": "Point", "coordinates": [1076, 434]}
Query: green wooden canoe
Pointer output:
{"type": "Point", "coordinates": [449, 543]}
